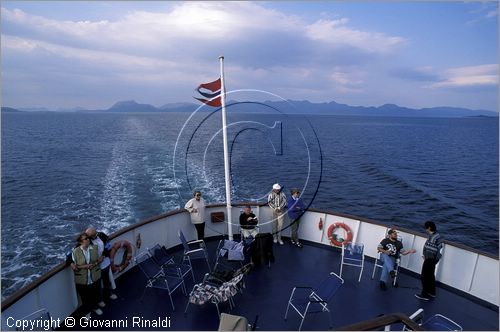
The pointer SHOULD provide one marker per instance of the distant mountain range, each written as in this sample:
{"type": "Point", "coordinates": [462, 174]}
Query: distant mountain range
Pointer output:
{"type": "Point", "coordinates": [288, 107]}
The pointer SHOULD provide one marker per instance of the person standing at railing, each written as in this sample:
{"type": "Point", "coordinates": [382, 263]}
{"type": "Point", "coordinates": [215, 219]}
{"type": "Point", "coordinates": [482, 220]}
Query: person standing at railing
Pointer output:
{"type": "Point", "coordinates": [431, 256]}
{"type": "Point", "coordinates": [295, 211]}
{"type": "Point", "coordinates": [390, 249]}
{"type": "Point", "coordinates": [100, 239]}
{"type": "Point", "coordinates": [87, 273]}
{"type": "Point", "coordinates": [277, 202]}
{"type": "Point", "coordinates": [196, 208]}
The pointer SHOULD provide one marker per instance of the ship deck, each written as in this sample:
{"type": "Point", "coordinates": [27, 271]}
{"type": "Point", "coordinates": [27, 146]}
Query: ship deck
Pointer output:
{"type": "Point", "coordinates": [268, 289]}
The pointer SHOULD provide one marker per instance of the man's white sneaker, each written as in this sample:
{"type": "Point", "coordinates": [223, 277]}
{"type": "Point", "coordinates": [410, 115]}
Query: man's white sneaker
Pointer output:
{"type": "Point", "coordinates": [281, 242]}
{"type": "Point", "coordinates": [275, 240]}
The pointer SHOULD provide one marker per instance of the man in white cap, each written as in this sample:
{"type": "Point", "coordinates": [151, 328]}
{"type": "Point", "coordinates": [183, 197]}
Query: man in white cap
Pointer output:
{"type": "Point", "coordinates": [277, 202]}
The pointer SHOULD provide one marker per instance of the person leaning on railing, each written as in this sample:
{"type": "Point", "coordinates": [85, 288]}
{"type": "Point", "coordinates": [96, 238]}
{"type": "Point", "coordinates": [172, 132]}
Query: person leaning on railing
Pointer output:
{"type": "Point", "coordinates": [296, 209]}
{"type": "Point", "coordinates": [196, 208]}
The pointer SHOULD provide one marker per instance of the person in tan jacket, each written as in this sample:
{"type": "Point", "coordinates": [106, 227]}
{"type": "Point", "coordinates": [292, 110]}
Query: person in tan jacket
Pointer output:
{"type": "Point", "coordinates": [87, 273]}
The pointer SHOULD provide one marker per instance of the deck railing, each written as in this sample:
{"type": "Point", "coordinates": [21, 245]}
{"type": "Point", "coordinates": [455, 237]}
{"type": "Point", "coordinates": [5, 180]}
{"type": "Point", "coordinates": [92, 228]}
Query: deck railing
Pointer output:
{"type": "Point", "coordinates": [468, 270]}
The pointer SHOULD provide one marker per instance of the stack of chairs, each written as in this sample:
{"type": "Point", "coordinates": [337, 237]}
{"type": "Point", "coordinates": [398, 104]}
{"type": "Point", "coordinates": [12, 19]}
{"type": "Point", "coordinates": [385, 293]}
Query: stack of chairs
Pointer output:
{"type": "Point", "coordinates": [218, 288]}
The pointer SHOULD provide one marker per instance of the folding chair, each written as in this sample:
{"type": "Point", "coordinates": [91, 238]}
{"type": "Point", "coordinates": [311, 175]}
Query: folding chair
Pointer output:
{"type": "Point", "coordinates": [436, 322]}
{"type": "Point", "coordinates": [157, 277]}
{"type": "Point", "coordinates": [379, 264]}
{"type": "Point", "coordinates": [162, 258]}
{"type": "Point", "coordinates": [353, 255]}
{"type": "Point", "coordinates": [229, 252]}
{"type": "Point", "coordinates": [42, 315]}
{"type": "Point", "coordinates": [309, 297]}
{"type": "Point", "coordinates": [194, 250]}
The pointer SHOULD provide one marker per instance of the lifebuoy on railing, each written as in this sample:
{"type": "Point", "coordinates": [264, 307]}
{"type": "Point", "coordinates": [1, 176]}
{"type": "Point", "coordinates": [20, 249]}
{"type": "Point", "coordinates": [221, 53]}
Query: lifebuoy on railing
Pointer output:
{"type": "Point", "coordinates": [127, 255]}
{"type": "Point", "coordinates": [338, 241]}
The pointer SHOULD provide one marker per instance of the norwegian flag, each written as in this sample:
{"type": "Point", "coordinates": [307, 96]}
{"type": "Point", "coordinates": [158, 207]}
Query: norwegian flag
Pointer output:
{"type": "Point", "coordinates": [212, 92]}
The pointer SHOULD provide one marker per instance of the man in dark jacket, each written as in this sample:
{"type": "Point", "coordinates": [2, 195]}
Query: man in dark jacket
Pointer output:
{"type": "Point", "coordinates": [296, 209]}
{"type": "Point", "coordinates": [248, 223]}
{"type": "Point", "coordinates": [431, 255]}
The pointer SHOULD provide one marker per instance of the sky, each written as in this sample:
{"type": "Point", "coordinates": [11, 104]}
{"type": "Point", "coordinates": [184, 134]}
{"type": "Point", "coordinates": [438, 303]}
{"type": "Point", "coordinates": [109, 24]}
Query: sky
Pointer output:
{"type": "Point", "coordinates": [62, 55]}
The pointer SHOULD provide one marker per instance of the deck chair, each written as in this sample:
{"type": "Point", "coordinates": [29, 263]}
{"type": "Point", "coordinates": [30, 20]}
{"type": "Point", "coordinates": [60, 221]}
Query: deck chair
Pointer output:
{"type": "Point", "coordinates": [317, 297]}
{"type": "Point", "coordinates": [194, 250]}
{"type": "Point", "coordinates": [353, 255]}
{"type": "Point", "coordinates": [379, 264]}
{"type": "Point", "coordinates": [228, 254]}
{"type": "Point", "coordinates": [157, 277]}
{"type": "Point", "coordinates": [436, 322]}
{"type": "Point", "coordinates": [162, 258]}
{"type": "Point", "coordinates": [41, 315]}
{"type": "Point", "coordinates": [217, 291]}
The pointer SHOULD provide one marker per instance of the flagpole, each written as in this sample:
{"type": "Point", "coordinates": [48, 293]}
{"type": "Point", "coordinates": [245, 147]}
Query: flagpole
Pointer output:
{"type": "Point", "coordinates": [226, 153]}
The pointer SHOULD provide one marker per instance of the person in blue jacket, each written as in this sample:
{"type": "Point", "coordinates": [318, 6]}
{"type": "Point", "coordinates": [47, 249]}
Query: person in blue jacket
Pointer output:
{"type": "Point", "coordinates": [296, 209]}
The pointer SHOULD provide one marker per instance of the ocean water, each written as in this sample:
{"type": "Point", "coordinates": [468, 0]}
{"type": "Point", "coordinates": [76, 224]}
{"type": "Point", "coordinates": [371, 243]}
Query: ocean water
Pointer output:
{"type": "Point", "coordinates": [64, 171]}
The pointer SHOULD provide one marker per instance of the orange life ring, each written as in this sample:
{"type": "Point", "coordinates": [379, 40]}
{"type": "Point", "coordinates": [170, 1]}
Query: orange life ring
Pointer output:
{"type": "Point", "coordinates": [127, 255]}
{"type": "Point", "coordinates": [333, 237]}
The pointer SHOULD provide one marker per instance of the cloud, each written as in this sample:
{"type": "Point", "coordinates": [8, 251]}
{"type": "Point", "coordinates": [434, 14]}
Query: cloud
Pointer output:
{"type": "Point", "coordinates": [337, 34]}
{"type": "Point", "coordinates": [487, 11]}
{"type": "Point", "coordinates": [348, 81]}
{"type": "Point", "coordinates": [425, 74]}
{"type": "Point", "coordinates": [193, 26]}
{"type": "Point", "coordinates": [179, 45]}
{"type": "Point", "coordinates": [157, 53]}
{"type": "Point", "coordinates": [470, 76]}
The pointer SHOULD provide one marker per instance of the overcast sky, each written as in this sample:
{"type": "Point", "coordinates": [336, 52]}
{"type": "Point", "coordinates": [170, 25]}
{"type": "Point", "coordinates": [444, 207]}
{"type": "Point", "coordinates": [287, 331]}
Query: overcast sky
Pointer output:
{"type": "Point", "coordinates": [92, 54]}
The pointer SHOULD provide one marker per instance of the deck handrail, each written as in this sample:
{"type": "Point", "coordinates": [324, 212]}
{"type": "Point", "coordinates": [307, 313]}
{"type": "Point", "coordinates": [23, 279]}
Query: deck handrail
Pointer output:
{"type": "Point", "coordinates": [379, 322]}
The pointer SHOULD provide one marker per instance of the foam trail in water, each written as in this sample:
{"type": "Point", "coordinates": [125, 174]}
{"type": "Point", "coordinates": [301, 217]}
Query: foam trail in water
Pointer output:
{"type": "Point", "coordinates": [116, 211]}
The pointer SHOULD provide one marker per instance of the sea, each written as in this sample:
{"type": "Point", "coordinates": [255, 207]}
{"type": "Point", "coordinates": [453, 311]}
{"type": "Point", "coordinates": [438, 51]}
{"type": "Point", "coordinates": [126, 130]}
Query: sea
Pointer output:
{"type": "Point", "coordinates": [62, 172]}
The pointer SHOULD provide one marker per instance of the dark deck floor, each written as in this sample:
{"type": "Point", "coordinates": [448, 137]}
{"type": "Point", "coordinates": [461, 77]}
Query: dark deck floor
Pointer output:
{"type": "Point", "coordinates": [268, 289]}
